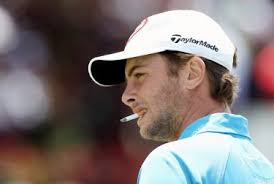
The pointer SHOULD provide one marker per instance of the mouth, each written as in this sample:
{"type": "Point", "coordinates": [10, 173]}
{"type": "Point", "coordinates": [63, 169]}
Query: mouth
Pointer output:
{"type": "Point", "coordinates": [141, 116]}
{"type": "Point", "coordinates": [140, 112]}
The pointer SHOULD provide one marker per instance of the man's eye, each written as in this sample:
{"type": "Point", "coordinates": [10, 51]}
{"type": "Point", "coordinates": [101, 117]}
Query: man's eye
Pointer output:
{"type": "Point", "coordinates": [138, 75]}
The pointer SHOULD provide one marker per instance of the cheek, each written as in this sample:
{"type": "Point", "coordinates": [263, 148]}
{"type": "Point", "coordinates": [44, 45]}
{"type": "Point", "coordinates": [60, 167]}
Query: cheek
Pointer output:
{"type": "Point", "coordinates": [168, 97]}
{"type": "Point", "coordinates": [150, 99]}
{"type": "Point", "coordinates": [156, 101]}
{"type": "Point", "coordinates": [152, 96]}
{"type": "Point", "coordinates": [156, 92]}
{"type": "Point", "coordinates": [147, 91]}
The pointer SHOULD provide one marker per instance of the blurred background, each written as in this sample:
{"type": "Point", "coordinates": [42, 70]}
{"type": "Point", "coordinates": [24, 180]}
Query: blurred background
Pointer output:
{"type": "Point", "coordinates": [58, 127]}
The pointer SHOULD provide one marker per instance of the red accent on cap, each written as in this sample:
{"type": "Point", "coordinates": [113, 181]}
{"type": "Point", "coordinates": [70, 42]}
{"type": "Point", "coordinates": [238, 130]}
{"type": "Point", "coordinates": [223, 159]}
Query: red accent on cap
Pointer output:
{"type": "Point", "coordinates": [138, 28]}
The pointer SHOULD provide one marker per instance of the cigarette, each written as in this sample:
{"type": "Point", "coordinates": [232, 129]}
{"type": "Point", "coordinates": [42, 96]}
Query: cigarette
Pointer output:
{"type": "Point", "coordinates": [129, 118]}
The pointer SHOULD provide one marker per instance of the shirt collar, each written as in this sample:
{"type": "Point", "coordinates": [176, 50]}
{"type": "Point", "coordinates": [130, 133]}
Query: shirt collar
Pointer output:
{"type": "Point", "coordinates": [225, 123]}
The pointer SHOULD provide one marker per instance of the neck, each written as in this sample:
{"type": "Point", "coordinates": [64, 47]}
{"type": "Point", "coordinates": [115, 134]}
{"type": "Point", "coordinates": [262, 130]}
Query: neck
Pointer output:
{"type": "Point", "coordinates": [199, 110]}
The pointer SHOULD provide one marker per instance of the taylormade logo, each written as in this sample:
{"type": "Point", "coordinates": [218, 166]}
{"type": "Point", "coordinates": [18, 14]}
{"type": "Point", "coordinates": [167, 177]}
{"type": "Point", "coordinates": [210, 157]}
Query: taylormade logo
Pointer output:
{"type": "Point", "coordinates": [178, 38]}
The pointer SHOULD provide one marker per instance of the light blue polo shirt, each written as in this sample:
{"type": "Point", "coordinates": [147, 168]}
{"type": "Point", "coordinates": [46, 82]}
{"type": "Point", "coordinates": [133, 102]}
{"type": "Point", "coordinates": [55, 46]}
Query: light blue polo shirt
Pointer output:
{"type": "Point", "coordinates": [215, 149]}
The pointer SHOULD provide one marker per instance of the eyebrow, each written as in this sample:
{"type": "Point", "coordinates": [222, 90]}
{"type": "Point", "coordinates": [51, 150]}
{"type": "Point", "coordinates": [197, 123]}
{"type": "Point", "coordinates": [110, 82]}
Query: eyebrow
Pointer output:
{"type": "Point", "coordinates": [129, 73]}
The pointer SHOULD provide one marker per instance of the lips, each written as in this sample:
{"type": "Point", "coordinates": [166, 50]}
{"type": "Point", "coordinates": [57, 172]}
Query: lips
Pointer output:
{"type": "Point", "coordinates": [141, 113]}
{"type": "Point", "coordinates": [139, 110]}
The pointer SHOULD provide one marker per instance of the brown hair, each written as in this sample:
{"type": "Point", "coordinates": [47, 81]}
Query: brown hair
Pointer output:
{"type": "Point", "coordinates": [223, 85]}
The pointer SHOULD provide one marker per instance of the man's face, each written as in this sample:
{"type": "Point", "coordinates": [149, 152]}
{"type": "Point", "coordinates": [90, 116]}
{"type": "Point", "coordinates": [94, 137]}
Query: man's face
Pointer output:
{"type": "Point", "coordinates": [157, 97]}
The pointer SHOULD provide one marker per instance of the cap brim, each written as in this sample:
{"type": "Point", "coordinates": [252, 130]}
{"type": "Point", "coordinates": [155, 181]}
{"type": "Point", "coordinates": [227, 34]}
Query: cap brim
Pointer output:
{"type": "Point", "coordinates": [109, 70]}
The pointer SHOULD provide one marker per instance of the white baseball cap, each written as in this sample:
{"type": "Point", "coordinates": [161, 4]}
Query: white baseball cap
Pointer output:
{"type": "Point", "coordinates": [185, 31]}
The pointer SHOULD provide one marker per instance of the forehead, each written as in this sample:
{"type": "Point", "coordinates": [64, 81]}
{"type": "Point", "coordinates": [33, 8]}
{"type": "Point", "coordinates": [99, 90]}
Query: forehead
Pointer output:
{"type": "Point", "coordinates": [151, 62]}
{"type": "Point", "coordinates": [153, 59]}
{"type": "Point", "coordinates": [136, 61]}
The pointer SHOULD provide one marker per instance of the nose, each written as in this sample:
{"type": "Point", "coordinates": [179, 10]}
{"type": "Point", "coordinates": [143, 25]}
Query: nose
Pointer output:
{"type": "Point", "coordinates": [129, 94]}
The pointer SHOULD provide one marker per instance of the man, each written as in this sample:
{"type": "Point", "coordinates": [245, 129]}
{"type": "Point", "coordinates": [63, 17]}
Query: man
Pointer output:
{"type": "Point", "coordinates": [177, 66]}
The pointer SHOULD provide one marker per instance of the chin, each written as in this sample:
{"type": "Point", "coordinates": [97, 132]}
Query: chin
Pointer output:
{"type": "Point", "coordinates": [146, 135]}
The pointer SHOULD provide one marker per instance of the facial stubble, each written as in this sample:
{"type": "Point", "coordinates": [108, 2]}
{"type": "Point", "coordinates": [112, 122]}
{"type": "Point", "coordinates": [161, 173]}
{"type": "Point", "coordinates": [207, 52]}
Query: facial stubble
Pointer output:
{"type": "Point", "coordinates": [166, 119]}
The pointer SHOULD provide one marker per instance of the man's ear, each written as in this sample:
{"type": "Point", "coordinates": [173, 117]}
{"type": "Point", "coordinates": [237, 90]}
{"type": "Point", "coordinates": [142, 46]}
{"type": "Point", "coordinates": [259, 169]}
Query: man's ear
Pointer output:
{"type": "Point", "coordinates": [195, 72]}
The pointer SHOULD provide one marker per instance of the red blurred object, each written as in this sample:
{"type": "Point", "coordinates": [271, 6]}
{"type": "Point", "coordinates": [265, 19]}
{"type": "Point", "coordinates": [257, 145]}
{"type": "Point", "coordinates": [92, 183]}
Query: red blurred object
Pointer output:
{"type": "Point", "coordinates": [264, 70]}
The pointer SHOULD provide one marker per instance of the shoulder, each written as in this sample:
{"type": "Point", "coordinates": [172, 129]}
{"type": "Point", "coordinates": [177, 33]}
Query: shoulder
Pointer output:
{"type": "Point", "coordinates": [162, 167]}
{"type": "Point", "coordinates": [204, 146]}
{"type": "Point", "coordinates": [184, 161]}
